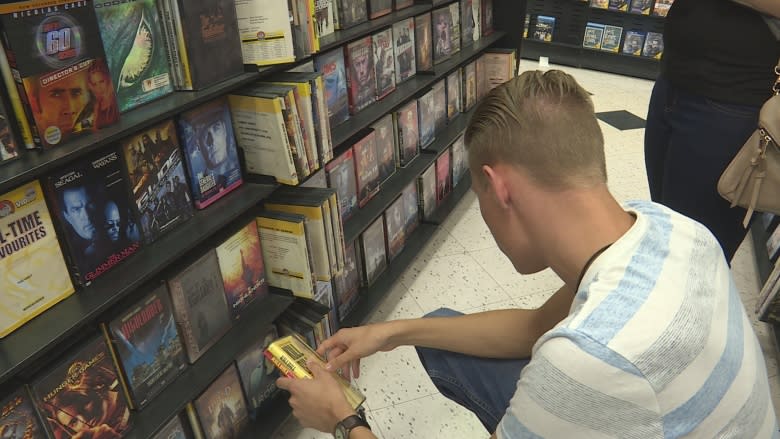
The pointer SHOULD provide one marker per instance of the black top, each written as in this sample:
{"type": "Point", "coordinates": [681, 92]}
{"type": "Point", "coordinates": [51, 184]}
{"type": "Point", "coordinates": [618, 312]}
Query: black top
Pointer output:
{"type": "Point", "coordinates": [721, 50]}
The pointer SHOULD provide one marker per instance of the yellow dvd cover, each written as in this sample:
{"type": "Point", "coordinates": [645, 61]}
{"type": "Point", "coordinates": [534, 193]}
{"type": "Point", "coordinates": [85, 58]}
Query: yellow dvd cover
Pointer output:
{"type": "Point", "coordinates": [291, 355]}
{"type": "Point", "coordinates": [35, 275]}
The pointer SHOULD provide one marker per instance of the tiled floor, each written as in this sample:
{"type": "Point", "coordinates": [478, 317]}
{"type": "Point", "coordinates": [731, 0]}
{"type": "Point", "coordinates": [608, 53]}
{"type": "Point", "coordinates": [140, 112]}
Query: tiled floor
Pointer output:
{"type": "Point", "coordinates": [462, 268]}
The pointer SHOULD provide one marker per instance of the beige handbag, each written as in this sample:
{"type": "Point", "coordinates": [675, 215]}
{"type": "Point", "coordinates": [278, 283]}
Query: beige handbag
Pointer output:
{"type": "Point", "coordinates": [752, 179]}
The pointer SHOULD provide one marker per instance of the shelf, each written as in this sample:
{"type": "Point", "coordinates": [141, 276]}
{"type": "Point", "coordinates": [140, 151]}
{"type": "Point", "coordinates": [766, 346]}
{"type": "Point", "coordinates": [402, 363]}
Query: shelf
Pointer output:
{"type": "Point", "coordinates": [272, 418]}
{"type": "Point", "coordinates": [409, 89]}
{"type": "Point", "coordinates": [341, 37]}
{"type": "Point", "coordinates": [70, 317]}
{"type": "Point", "coordinates": [199, 375]}
{"type": "Point", "coordinates": [391, 188]}
{"type": "Point", "coordinates": [625, 14]}
{"type": "Point", "coordinates": [34, 164]}
{"type": "Point", "coordinates": [444, 209]}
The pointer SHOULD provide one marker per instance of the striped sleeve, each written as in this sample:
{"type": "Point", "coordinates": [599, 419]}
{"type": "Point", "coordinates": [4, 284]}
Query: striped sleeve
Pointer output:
{"type": "Point", "coordinates": [576, 387]}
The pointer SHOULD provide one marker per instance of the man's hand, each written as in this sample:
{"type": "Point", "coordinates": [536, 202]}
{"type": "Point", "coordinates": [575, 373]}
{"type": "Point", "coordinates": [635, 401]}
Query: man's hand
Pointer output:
{"type": "Point", "coordinates": [318, 402]}
{"type": "Point", "coordinates": [345, 349]}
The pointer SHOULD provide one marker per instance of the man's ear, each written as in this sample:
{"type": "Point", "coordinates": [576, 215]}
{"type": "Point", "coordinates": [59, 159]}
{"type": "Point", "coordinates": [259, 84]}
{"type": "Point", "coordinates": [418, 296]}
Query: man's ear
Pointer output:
{"type": "Point", "coordinates": [496, 183]}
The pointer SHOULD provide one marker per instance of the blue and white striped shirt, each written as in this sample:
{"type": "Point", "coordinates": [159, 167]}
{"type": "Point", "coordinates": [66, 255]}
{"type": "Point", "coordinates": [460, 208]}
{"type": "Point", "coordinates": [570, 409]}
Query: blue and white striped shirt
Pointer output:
{"type": "Point", "coordinates": [656, 345]}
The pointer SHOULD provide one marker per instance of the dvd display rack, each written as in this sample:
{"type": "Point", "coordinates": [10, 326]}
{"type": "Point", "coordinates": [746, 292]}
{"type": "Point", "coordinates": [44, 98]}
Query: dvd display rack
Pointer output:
{"type": "Point", "coordinates": [566, 48]}
{"type": "Point", "coordinates": [32, 347]}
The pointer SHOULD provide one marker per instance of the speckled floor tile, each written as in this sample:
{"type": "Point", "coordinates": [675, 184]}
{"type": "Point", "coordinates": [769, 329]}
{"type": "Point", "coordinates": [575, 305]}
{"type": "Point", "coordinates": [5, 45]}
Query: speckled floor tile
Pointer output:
{"type": "Point", "coordinates": [471, 232]}
{"type": "Point", "coordinates": [441, 244]}
{"type": "Point", "coordinates": [292, 429]}
{"type": "Point", "coordinates": [397, 304]}
{"type": "Point", "coordinates": [390, 378]}
{"type": "Point", "coordinates": [502, 271]}
{"type": "Point", "coordinates": [432, 417]}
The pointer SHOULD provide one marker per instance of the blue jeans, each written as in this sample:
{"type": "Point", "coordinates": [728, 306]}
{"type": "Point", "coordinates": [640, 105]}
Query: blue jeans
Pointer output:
{"type": "Point", "coordinates": [482, 385]}
{"type": "Point", "coordinates": [689, 141]}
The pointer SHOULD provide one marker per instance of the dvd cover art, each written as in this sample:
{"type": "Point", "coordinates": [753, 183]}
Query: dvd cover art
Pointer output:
{"type": "Point", "coordinates": [148, 346]}
{"type": "Point", "coordinates": [411, 208]}
{"type": "Point", "coordinates": [324, 15]}
{"type": "Point", "coordinates": [384, 64]}
{"type": "Point", "coordinates": [92, 206]}
{"type": "Point", "coordinates": [544, 29]}
{"type": "Point", "coordinates": [347, 283]}
{"type": "Point", "coordinates": [423, 41]}
{"type": "Point", "coordinates": [385, 147]}
{"type": "Point", "coordinates": [403, 46]}
{"type": "Point", "coordinates": [18, 419]}
{"type": "Point", "coordinates": [351, 12]}
{"type": "Point", "coordinates": [594, 32]}
{"type": "Point", "coordinates": [641, 6]}
{"type": "Point", "coordinates": [654, 45]}
{"type": "Point", "coordinates": [439, 91]}
{"type": "Point", "coordinates": [366, 168]}
{"type": "Point", "coordinates": [599, 4]}
{"type": "Point", "coordinates": [378, 8]}
{"type": "Point", "coordinates": [135, 50]}
{"type": "Point", "coordinates": [460, 166]}
{"type": "Point", "coordinates": [81, 396]}
{"type": "Point", "coordinates": [258, 374]}
{"type": "Point", "coordinates": [62, 72]}
{"type": "Point", "coordinates": [427, 191]}
{"type": "Point", "coordinates": [9, 145]}
{"type": "Point", "coordinates": [172, 430]}
{"type": "Point", "coordinates": [611, 40]}
{"type": "Point", "coordinates": [467, 23]}
{"type": "Point", "coordinates": [155, 168]}
{"type": "Point", "coordinates": [661, 8]}
{"type": "Point", "coordinates": [618, 5]}
{"type": "Point", "coordinates": [469, 85]}
{"type": "Point", "coordinates": [455, 27]}
{"type": "Point", "coordinates": [199, 305]}
{"type": "Point", "coordinates": [210, 151]}
{"type": "Point", "coordinates": [243, 273]}
{"type": "Point", "coordinates": [394, 228]}
{"type": "Point", "coordinates": [633, 43]}
{"type": "Point", "coordinates": [360, 74]}
{"type": "Point", "coordinates": [427, 121]}
{"type": "Point", "coordinates": [408, 133]}
{"type": "Point", "coordinates": [341, 177]}
{"type": "Point", "coordinates": [334, 77]}
{"type": "Point", "coordinates": [221, 407]}
{"type": "Point", "coordinates": [454, 97]}
{"type": "Point", "coordinates": [442, 34]}
{"type": "Point", "coordinates": [34, 273]}
{"type": "Point", "coordinates": [213, 42]}
{"type": "Point", "coordinates": [372, 243]}
{"type": "Point", "coordinates": [443, 176]}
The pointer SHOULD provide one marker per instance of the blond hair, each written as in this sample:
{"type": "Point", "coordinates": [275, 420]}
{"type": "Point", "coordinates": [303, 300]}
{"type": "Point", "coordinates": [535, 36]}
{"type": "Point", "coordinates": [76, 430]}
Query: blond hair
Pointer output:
{"type": "Point", "coordinates": [543, 122]}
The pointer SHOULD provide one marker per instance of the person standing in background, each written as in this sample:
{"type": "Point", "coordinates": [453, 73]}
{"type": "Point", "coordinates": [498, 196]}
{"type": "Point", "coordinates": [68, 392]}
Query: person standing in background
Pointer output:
{"type": "Point", "coordinates": [716, 73]}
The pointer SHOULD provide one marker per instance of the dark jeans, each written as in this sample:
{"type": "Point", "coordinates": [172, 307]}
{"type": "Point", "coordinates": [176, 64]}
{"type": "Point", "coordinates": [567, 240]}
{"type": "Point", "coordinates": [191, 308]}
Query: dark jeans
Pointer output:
{"type": "Point", "coordinates": [689, 141]}
{"type": "Point", "coordinates": [482, 385]}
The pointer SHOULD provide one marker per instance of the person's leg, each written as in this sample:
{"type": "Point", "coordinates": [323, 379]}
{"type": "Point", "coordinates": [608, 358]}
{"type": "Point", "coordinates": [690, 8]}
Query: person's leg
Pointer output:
{"type": "Point", "coordinates": [482, 385]}
{"type": "Point", "coordinates": [657, 132]}
{"type": "Point", "coordinates": [706, 136]}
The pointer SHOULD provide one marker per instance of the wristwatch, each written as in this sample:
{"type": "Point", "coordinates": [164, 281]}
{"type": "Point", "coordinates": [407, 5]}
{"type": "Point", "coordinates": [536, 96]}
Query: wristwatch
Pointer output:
{"type": "Point", "coordinates": [349, 423]}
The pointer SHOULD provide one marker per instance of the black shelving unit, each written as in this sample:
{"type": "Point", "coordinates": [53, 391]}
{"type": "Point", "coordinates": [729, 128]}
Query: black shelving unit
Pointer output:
{"type": "Point", "coordinates": [571, 17]}
{"type": "Point", "coordinates": [198, 376]}
{"type": "Point", "coordinates": [55, 327]}
{"type": "Point", "coordinates": [341, 37]}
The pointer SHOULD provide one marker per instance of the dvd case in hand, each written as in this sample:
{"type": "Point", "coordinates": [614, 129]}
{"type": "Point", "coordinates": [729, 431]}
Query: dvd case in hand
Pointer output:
{"type": "Point", "coordinates": [454, 95]}
{"type": "Point", "coordinates": [135, 48]}
{"type": "Point", "coordinates": [331, 65]}
{"type": "Point", "coordinates": [394, 228]}
{"type": "Point", "coordinates": [386, 149]}
{"type": "Point", "coordinates": [266, 33]}
{"type": "Point", "coordinates": [173, 429]}
{"type": "Point", "coordinates": [423, 42]}
{"type": "Point", "coordinates": [384, 65]}
{"type": "Point", "coordinates": [52, 48]}
{"type": "Point", "coordinates": [361, 80]}
{"type": "Point", "coordinates": [221, 408]}
{"type": "Point", "coordinates": [34, 273]}
{"type": "Point", "coordinates": [408, 133]}
{"type": "Point", "coordinates": [427, 122]}
{"type": "Point", "coordinates": [460, 165]}
{"type": "Point", "coordinates": [155, 169]}
{"type": "Point", "coordinates": [147, 347]}
{"type": "Point", "coordinates": [18, 419]}
{"type": "Point", "coordinates": [341, 176]}
{"type": "Point", "coordinates": [81, 395]}
{"type": "Point", "coordinates": [210, 151]}
{"type": "Point", "coordinates": [404, 48]}
{"type": "Point", "coordinates": [243, 273]}
{"type": "Point", "coordinates": [366, 168]}
{"type": "Point", "coordinates": [258, 374]}
{"type": "Point", "coordinates": [427, 191]}
{"type": "Point", "coordinates": [199, 305]}
{"type": "Point", "coordinates": [439, 91]}
{"type": "Point", "coordinates": [91, 202]}
{"type": "Point", "coordinates": [411, 208]}
{"type": "Point", "coordinates": [372, 248]}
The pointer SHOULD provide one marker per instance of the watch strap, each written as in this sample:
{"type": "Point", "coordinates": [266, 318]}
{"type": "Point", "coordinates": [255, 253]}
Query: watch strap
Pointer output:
{"type": "Point", "coordinates": [353, 421]}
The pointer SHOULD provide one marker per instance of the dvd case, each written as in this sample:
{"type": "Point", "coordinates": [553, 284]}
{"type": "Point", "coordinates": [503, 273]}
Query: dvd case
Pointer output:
{"type": "Point", "coordinates": [341, 176]}
{"type": "Point", "coordinates": [545, 28]}
{"type": "Point", "coordinates": [258, 374]}
{"type": "Point", "coordinates": [347, 284]}
{"type": "Point", "coordinates": [427, 121]}
{"type": "Point", "coordinates": [386, 149]}
{"type": "Point", "coordinates": [80, 396]}
{"type": "Point", "coordinates": [423, 42]}
{"type": "Point", "coordinates": [443, 176]}
{"type": "Point", "coordinates": [408, 133]}
{"type": "Point", "coordinates": [427, 191]}
{"type": "Point", "coordinates": [654, 45]}
{"type": "Point", "coordinates": [384, 64]}
{"type": "Point", "coordinates": [334, 76]}
{"type": "Point", "coordinates": [460, 165]}
{"type": "Point", "coordinates": [454, 95]}
{"type": "Point", "coordinates": [439, 91]}
{"type": "Point", "coordinates": [633, 43]}
{"type": "Point", "coordinates": [240, 260]}
{"type": "Point", "coordinates": [221, 408]}
{"type": "Point", "coordinates": [662, 7]}
{"type": "Point", "coordinates": [9, 145]}
{"type": "Point", "coordinates": [18, 419]}
{"type": "Point", "coordinates": [379, 8]}
{"type": "Point", "coordinates": [469, 86]}
{"type": "Point", "coordinates": [411, 208]}
{"type": "Point", "coordinates": [611, 40]}
{"type": "Point", "coordinates": [173, 429]}
{"type": "Point", "coordinates": [641, 7]}
{"type": "Point", "coordinates": [594, 32]}
{"type": "Point", "coordinates": [210, 151]}
{"type": "Point", "coordinates": [394, 228]}
{"type": "Point", "coordinates": [403, 46]}
{"type": "Point", "coordinates": [155, 170]}
{"type": "Point", "coordinates": [443, 28]}
{"type": "Point", "coordinates": [351, 13]}
{"type": "Point", "coordinates": [361, 80]}
{"type": "Point", "coordinates": [467, 24]}
{"type": "Point", "coordinates": [96, 215]}
{"type": "Point", "coordinates": [366, 168]}
{"type": "Point", "coordinates": [618, 5]}
{"type": "Point", "coordinates": [266, 32]}
{"type": "Point", "coordinates": [372, 248]}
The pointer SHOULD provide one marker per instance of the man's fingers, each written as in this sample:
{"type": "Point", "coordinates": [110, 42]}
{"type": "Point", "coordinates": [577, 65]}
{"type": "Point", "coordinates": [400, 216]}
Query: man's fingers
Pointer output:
{"type": "Point", "coordinates": [327, 345]}
{"type": "Point", "coordinates": [284, 383]}
{"type": "Point", "coordinates": [356, 368]}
